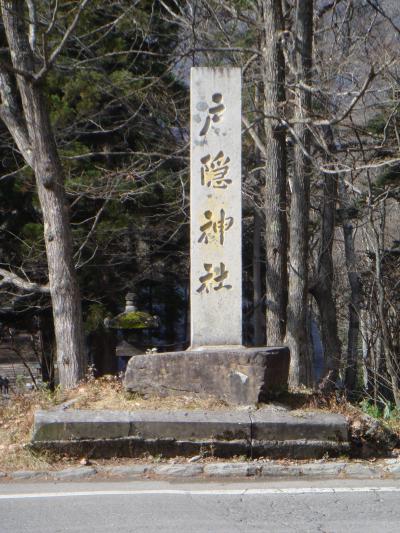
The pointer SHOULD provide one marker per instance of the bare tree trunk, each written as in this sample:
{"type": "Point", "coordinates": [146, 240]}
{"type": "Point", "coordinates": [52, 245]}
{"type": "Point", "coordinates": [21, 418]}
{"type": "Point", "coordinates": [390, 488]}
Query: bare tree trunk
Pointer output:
{"type": "Point", "coordinates": [258, 317]}
{"type": "Point", "coordinates": [388, 348]}
{"type": "Point", "coordinates": [258, 314]}
{"type": "Point", "coordinates": [368, 352]}
{"type": "Point", "coordinates": [296, 335]}
{"type": "Point", "coordinates": [322, 288]}
{"type": "Point", "coordinates": [354, 310]}
{"type": "Point", "coordinates": [47, 348]}
{"type": "Point", "coordinates": [64, 290]}
{"type": "Point", "coordinates": [353, 335]}
{"type": "Point", "coordinates": [40, 152]}
{"type": "Point", "coordinates": [273, 73]}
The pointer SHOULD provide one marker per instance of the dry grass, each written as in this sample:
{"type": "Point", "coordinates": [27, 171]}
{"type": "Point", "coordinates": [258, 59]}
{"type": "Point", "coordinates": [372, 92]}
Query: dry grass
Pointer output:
{"type": "Point", "coordinates": [107, 393]}
{"type": "Point", "coordinates": [16, 415]}
{"type": "Point", "coordinates": [16, 419]}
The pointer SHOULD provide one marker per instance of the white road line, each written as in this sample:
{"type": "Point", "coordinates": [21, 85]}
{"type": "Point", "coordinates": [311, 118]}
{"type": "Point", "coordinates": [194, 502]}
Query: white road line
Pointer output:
{"type": "Point", "coordinates": [218, 492]}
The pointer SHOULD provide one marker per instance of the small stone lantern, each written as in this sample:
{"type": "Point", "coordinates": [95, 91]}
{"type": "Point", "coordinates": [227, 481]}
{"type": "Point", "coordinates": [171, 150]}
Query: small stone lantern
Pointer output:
{"type": "Point", "coordinates": [131, 326]}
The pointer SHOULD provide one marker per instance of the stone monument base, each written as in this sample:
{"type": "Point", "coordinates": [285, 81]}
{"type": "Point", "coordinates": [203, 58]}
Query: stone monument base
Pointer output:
{"type": "Point", "coordinates": [237, 375]}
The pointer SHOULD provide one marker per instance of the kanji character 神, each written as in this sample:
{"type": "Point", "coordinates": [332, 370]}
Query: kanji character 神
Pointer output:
{"type": "Point", "coordinates": [211, 228]}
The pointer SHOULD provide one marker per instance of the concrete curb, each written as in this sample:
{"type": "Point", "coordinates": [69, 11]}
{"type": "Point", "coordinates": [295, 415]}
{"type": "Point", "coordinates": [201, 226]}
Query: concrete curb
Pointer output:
{"type": "Point", "coordinates": [387, 469]}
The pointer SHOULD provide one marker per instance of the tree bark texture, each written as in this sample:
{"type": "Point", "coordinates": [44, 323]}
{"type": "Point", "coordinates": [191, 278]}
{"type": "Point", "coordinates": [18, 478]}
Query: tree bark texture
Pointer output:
{"type": "Point", "coordinates": [42, 155]}
{"type": "Point", "coordinates": [389, 350]}
{"type": "Point", "coordinates": [354, 310]}
{"type": "Point", "coordinates": [273, 74]}
{"type": "Point", "coordinates": [258, 218]}
{"type": "Point", "coordinates": [47, 347]}
{"type": "Point", "coordinates": [258, 317]}
{"type": "Point", "coordinates": [353, 334]}
{"type": "Point", "coordinates": [322, 288]}
{"type": "Point", "coordinates": [296, 337]}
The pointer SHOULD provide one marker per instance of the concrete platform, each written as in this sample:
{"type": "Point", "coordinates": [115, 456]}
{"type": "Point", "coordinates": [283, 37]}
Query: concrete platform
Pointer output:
{"type": "Point", "coordinates": [261, 433]}
{"type": "Point", "coordinates": [235, 374]}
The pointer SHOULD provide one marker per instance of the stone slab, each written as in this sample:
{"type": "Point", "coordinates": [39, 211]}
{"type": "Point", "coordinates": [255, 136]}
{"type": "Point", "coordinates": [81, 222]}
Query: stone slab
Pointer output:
{"type": "Point", "coordinates": [178, 470]}
{"type": "Point", "coordinates": [72, 474]}
{"type": "Point", "coordinates": [257, 425]}
{"type": "Point", "coordinates": [215, 207]}
{"type": "Point", "coordinates": [152, 424]}
{"type": "Point", "coordinates": [27, 474]}
{"type": "Point", "coordinates": [320, 470]}
{"type": "Point", "coordinates": [139, 447]}
{"type": "Point", "coordinates": [191, 425]}
{"type": "Point", "coordinates": [361, 471]}
{"type": "Point", "coordinates": [130, 471]}
{"type": "Point", "coordinates": [257, 433]}
{"type": "Point", "coordinates": [314, 470]}
{"type": "Point", "coordinates": [80, 424]}
{"type": "Point", "coordinates": [393, 469]}
{"type": "Point", "coordinates": [235, 375]}
{"type": "Point", "coordinates": [229, 470]}
{"type": "Point", "coordinates": [269, 425]}
{"type": "Point", "coordinates": [299, 449]}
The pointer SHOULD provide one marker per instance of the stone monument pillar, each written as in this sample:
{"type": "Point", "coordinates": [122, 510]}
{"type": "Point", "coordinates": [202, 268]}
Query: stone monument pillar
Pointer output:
{"type": "Point", "coordinates": [215, 207]}
{"type": "Point", "coordinates": [216, 364]}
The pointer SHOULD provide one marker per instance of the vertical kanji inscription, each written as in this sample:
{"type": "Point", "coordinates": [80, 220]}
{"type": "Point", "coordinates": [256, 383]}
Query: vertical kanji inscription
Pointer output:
{"type": "Point", "coordinates": [215, 207]}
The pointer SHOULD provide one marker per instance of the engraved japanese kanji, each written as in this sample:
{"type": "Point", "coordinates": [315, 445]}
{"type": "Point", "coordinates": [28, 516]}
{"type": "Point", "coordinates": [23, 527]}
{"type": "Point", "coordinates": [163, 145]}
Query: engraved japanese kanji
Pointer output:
{"type": "Point", "coordinates": [214, 171]}
{"type": "Point", "coordinates": [215, 227]}
{"type": "Point", "coordinates": [213, 278]}
{"type": "Point", "coordinates": [214, 113]}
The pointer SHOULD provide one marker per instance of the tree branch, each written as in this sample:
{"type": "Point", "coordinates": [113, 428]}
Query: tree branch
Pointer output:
{"type": "Point", "coordinates": [11, 116]}
{"type": "Point", "coordinates": [9, 278]}
{"type": "Point", "coordinates": [324, 9]}
{"type": "Point", "coordinates": [254, 136]}
{"type": "Point", "coordinates": [90, 233]}
{"type": "Point", "coordinates": [56, 52]}
{"type": "Point", "coordinates": [380, 10]}
{"type": "Point", "coordinates": [32, 23]}
{"type": "Point", "coordinates": [21, 56]}
{"type": "Point", "coordinates": [369, 78]}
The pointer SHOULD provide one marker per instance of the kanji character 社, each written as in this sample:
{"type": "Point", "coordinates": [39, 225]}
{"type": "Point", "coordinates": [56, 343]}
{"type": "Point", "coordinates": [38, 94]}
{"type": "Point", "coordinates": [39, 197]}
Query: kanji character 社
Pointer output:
{"type": "Point", "coordinates": [214, 278]}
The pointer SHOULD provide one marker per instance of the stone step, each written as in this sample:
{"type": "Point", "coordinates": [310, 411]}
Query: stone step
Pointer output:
{"type": "Point", "coordinates": [256, 433]}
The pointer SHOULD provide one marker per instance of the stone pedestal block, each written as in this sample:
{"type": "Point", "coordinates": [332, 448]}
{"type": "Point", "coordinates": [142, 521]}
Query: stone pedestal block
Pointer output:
{"type": "Point", "coordinates": [237, 375]}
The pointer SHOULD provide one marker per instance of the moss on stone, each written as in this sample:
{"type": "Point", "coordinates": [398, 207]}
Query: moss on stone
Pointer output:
{"type": "Point", "coordinates": [134, 320]}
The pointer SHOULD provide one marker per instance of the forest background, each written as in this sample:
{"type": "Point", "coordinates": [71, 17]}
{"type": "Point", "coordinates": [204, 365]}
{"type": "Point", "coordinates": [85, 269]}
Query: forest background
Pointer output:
{"type": "Point", "coordinates": [94, 182]}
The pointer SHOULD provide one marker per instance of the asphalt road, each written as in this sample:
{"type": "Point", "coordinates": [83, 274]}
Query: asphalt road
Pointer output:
{"type": "Point", "coordinates": [148, 507]}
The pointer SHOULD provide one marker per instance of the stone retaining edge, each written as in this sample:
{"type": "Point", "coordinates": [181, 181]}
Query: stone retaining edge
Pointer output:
{"type": "Point", "coordinates": [388, 469]}
{"type": "Point", "coordinates": [170, 448]}
{"type": "Point", "coordinates": [259, 425]}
